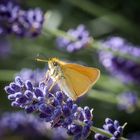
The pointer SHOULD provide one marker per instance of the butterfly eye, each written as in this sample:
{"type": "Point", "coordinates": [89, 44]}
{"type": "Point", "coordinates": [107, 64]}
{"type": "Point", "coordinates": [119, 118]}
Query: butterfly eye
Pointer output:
{"type": "Point", "coordinates": [55, 64]}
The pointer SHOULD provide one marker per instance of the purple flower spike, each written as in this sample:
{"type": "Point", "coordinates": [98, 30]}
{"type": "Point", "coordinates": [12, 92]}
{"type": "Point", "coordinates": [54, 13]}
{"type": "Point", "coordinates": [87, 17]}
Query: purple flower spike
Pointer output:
{"type": "Point", "coordinates": [80, 34]}
{"type": "Point", "coordinates": [126, 70]}
{"type": "Point", "coordinates": [53, 107]}
{"type": "Point", "coordinates": [23, 126]}
{"type": "Point", "coordinates": [112, 127]}
{"type": "Point", "coordinates": [14, 20]}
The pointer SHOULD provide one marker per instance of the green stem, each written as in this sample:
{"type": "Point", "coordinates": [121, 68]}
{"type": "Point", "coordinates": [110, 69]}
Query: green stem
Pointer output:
{"type": "Point", "coordinates": [58, 33]}
{"type": "Point", "coordinates": [100, 131]}
{"type": "Point", "coordinates": [124, 125]}
{"type": "Point", "coordinates": [103, 132]}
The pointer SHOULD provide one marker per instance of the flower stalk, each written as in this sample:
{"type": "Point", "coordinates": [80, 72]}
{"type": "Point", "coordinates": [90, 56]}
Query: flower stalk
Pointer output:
{"type": "Point", "coordinates": [101, 131]}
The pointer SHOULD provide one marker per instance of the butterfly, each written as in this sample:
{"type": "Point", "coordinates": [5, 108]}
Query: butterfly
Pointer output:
{"type": "Point", "coordinates": [73, 79]}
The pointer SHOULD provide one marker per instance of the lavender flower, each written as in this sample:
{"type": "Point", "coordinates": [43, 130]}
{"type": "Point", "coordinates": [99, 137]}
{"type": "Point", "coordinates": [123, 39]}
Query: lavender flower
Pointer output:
{"type": "Point", "coordinates": [127, 101]}
{"type": "Point", "coordinates": [28, 126]}
{"type": "Point", "coordinates": [112, 127]}
{"type": "Point", "coordinates": [80, 34]}
{"type": "Point", "coordinates": [14, 20]}
{"type": "Point", "coordinates": [52, 106]}
{"type": "Point", "coordinates": [23, 125]}
{"type": "Point", "coordinates": [126, 70]}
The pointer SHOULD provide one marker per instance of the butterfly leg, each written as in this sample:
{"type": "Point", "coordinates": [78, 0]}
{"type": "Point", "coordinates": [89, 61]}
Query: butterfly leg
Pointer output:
{"type": "Point", "coordinates": [55, 82]}
{"type": "Point", "coordinates": [47, 77]}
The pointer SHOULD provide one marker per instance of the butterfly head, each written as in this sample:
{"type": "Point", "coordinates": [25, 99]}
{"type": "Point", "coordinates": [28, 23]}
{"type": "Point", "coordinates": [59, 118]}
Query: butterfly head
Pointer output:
{"type": "Point", "coordinates": [53, 63]}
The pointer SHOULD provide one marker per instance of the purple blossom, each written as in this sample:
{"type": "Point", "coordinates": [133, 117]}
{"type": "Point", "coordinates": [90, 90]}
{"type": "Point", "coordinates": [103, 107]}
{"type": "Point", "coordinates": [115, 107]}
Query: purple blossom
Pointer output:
{"type": "Point", "coordinates": [28, 126]}
{"type": "Point", "coordinates": [80, 34]}
{"type": "Point", "coordinates": [14, 20]}
{"type": "Point", "coordinates": [127, 101]}
{"type": "Point", "coordinates": [52, 106]}
{"type": "Point", "coordinates": [23, 125]}
{"type": "Point", "coordinates": [126, 70]}
{"type": "Point", "coordinates": [113, 127]}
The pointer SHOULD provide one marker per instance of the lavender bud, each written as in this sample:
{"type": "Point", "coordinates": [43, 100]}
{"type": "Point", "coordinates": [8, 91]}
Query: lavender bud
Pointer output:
{"type": "Point", "coordinates": [28, 94]}
{"type": "Point", "coordinates": [38, 92]}
{"type": "Point", "coordinates": [18, 81]}
{"type": "Point", "coordinates": [15, 87]}
{"type": "Point", "coordinates": [9, 90]}
{"type": "Point", "coordinates": [29, 85]}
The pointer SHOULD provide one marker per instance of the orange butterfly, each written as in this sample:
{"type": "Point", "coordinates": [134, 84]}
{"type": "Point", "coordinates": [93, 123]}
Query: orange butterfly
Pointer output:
{"type": "Point", "coordinates": [73, 79]}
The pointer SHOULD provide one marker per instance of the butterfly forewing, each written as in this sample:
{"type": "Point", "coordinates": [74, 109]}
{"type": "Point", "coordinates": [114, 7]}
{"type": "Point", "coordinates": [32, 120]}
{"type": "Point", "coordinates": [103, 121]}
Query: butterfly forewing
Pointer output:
{"type": "Point", "coordinates": [92, 73]}
{"type": "Point", "coordinates": [79, 79]}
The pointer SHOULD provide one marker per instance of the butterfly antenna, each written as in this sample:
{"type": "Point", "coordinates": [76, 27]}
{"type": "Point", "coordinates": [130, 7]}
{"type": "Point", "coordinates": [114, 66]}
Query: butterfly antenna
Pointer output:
{"type": "Point", "coordinates": [41, 60]}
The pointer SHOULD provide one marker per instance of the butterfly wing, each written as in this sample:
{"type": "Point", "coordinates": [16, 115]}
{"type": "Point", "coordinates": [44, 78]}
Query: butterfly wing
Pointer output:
{"type": "Point", "coordinates": [80, 79]}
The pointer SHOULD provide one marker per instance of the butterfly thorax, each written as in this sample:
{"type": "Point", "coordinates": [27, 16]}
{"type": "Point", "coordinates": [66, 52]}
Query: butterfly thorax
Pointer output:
{"type": "Point", "coordinates": [55, 69]}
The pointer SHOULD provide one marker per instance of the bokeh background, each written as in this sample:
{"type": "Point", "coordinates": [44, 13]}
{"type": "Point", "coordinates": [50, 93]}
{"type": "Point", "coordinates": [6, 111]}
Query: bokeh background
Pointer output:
{"type": "Point", "coordinates": [103, 20]}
